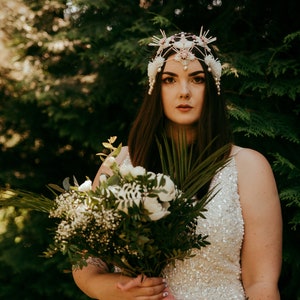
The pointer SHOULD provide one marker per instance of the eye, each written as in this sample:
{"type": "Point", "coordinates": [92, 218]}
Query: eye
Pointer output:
{"type": "Point", "coordinates": [168, 79]}
{"type": "Point", "coordinates": [198, 79]}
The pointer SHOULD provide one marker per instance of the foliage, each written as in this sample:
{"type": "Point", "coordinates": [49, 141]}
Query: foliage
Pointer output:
{"type": "Point", "coordinates": [265, 116]}
{"type": "Point", "coordinates": [73, 74]}
{"type": "Point", "coordinates": [135, 220]}
{"type": "Point", "coordinates": [24, 272]}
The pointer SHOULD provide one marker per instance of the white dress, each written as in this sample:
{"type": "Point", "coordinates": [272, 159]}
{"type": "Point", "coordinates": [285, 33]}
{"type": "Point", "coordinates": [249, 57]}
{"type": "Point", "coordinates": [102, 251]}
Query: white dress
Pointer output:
{"type": "Point", "coordinates": [214, 273]}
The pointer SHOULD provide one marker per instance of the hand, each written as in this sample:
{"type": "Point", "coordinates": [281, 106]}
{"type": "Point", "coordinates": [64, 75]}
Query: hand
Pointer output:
{"type": "Point", "coordinates": [169, 296]}
{"type": "Point", "coordinates": [154, 288]}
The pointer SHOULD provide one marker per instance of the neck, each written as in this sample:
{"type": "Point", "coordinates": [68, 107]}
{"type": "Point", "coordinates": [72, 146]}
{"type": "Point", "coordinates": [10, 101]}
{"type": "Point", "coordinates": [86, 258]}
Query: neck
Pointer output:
{"type": "Point", "coordinates": [176, 131]}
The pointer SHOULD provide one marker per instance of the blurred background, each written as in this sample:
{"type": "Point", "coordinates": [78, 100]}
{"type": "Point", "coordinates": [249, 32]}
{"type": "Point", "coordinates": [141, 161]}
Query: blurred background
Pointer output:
{"type": "Point", "coordinates": [72, 74]}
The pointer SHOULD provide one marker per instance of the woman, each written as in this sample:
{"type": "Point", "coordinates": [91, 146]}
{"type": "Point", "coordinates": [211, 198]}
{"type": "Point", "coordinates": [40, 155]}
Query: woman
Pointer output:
{"type": "Point", "coordinates": [243, 221]}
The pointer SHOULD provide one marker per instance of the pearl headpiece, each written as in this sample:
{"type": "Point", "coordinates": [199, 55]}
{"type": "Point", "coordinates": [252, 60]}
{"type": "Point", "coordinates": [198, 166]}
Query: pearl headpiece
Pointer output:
{"type": "Point", "coordinates": [183, 44]}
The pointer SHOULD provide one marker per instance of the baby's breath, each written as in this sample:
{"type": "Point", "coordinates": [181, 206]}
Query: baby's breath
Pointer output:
{"type": "Point", "coordinates": [136, 220]}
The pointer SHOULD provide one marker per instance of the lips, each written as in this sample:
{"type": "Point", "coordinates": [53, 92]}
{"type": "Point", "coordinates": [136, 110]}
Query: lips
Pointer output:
{"type": "Point", "coordinates": [184, 107]}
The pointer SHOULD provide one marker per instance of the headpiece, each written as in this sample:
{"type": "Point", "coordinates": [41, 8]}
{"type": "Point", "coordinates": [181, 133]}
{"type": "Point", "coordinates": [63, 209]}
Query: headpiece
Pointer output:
{"type": "Point", "coordinates": [183, 44]}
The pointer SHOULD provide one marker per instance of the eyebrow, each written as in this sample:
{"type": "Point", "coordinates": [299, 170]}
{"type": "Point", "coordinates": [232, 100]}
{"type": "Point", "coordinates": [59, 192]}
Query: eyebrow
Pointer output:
{"type": "Point", "coordinates": [190, 74]}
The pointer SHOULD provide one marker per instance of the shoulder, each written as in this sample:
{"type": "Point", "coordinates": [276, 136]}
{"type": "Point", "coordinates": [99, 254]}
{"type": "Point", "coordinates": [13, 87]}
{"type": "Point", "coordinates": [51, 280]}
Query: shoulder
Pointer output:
{"type": "Point", "coordinates": [105, 170]}
{"type": "Point", "coordinates": [256, 180]}
{"type": "Point", "coordinates": [124, 153]}
{"type": "Point", "coordinates": [250, 161]}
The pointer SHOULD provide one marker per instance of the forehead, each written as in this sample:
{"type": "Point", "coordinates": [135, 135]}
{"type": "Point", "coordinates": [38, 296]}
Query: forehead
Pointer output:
{"type": "Point", "coordinates": [176, 66]}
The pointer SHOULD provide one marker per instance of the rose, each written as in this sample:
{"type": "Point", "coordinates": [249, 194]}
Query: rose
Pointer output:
{"type": "Point", "coordinates": [138, 171]}
{"type": "Point", "coordinates": [130, 172]}
{"type": "Point", "coordinates": [125, 170]}
{"type": "Point", "coordinates": [157, 210]}
{"type": "Point", "coordinates": [168, 193]}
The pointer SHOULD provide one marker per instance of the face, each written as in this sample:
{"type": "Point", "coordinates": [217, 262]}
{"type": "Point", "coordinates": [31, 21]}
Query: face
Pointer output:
{"type": "Point", "coordinates": [182, 92]}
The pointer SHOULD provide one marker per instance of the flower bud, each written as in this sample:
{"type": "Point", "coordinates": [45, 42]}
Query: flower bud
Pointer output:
{"type": "Point", "coordinates": [86, 186]}
{"type": "Point", "coordinates": [108, 163]}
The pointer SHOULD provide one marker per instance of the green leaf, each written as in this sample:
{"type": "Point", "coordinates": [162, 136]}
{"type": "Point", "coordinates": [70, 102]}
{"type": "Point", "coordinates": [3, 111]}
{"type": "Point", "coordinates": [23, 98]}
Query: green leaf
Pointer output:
{"type": "Point", "coordinates": [177, 163]}
{"type": "Point", "coordinates": [25, 199]}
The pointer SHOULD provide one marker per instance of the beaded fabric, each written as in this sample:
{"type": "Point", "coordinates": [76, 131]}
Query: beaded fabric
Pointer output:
{"type": "Point", "coordinates": [214, 273]}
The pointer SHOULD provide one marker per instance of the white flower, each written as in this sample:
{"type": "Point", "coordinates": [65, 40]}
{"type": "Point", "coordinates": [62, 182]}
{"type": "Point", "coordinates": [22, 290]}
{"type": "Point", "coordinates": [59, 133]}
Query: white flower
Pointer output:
{"type": "Point", "coordinates": [183, 44]}
{"type": "Point", "coordinates": [214, 65]}
{"type": "Point", "coordinates": [102, 178]}
{"type": "Point", "coordinates": [81, 209]}
{"type": "Point", "coordinates": [138, 171]}
{"type": "Point", "coordinates": [155, 65]}
{"type": "Point", "coordinates": [109, 162]}
{"type": "Point", "coordinates": [168, 193]}
{"type": "Point", "coordinates": [155, 209]}
{"type": "Point", "coordinates": [125, 170]}
{"type": "Point", "coordinates": [64, 230]}
{"type": "Point", "coordinates": [184, 55]}
{"type": "Point", "coordinates": [86, 186]}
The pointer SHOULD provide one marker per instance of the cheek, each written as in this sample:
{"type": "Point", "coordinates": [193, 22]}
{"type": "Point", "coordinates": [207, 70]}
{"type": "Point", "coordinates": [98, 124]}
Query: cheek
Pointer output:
{"type": "Point", "coordinates": [167, 107]}
{"type": "Point", "coordinates": [199, 98]}
{"type": "Point", "coordinates": [198, 111]}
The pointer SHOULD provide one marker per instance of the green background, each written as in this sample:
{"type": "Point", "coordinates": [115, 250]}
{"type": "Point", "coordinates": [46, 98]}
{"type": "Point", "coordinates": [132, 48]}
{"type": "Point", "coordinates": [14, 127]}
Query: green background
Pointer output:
{"type": "Point", "coordinates": [72, 74]}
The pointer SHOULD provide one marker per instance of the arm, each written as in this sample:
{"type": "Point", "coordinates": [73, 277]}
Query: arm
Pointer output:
{"type": "Point", "coordinates": [108, 286]}
{"type": "Point", "coordinates": [96, 281]}
{"type": "Point", "coordinates": [261, 250]}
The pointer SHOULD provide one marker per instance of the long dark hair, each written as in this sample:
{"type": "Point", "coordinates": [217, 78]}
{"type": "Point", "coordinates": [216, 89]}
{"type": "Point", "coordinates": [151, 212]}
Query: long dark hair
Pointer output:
{"type": "Point", "coordinates": [213, 131]}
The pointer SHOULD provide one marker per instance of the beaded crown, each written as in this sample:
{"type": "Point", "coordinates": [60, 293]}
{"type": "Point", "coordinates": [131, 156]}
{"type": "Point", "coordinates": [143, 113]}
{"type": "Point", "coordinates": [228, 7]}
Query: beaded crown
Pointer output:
{"type": "Point", "coordinates": [183, 44]}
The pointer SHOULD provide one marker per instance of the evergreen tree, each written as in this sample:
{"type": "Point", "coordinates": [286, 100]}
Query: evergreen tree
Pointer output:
{"type": "Point", "coordinates": [73, 73]}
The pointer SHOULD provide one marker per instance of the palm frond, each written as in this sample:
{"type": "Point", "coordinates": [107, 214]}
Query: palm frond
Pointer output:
{"type": "Point", "coordinates": [25, 199]}
{"type": "Point", "coordinates": [177, 163]}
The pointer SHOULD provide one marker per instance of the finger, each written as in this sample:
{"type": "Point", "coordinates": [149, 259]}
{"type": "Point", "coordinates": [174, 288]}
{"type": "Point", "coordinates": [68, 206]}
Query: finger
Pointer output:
{"type": "Point", "coordinates": [167, 295]}
{"type": "Point", "coordinates": [135, 282]}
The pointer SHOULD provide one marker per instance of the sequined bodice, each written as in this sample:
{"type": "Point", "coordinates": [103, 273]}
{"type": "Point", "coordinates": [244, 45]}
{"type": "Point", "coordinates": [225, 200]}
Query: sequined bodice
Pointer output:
{"type": "Point", "coordinates": [214, 272]}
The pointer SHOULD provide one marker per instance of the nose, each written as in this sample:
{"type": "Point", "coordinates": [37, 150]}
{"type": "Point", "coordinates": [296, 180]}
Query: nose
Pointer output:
{"type": "Point", "coordinates": [184, 91]}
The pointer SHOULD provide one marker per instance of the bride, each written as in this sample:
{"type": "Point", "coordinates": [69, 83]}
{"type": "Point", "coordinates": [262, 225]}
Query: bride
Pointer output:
{"type": "Point", "coordinates": [243, 221]}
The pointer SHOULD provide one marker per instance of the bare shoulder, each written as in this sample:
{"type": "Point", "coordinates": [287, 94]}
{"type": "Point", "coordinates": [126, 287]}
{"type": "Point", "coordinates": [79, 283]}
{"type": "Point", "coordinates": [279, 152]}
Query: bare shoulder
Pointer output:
{"type": "Point", "coordinates": [105, 170]}
{"type": "Point", "coordinates": [122, 155]}
{"type": "Point", "coordinates": [256, 182]}
{"type": "Point", "coordinates": [249, 160]}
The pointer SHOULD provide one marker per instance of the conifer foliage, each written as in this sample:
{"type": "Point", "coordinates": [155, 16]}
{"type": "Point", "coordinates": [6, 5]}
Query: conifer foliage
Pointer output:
{"type": "Point", "coordinates": [73, 73]}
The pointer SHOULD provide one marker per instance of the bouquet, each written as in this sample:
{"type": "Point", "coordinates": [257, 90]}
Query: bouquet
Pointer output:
{"type": "Point", "coordinates": [135, 220]}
